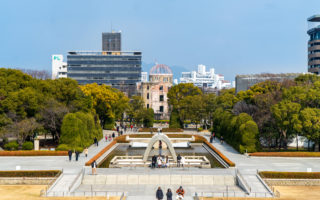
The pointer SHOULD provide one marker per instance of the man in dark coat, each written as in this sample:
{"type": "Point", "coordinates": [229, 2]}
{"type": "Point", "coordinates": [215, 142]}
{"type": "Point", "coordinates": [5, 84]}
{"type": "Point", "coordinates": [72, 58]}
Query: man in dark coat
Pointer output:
{"type": "Point", "coordinates": [77, 155]}
{"type": "Point", "coordinates": [178, 160]}
{"type": "Point", "coordinates": [154, 160]}
{"type": "Point", "coordinates": [70, 155]}
{"type": "Point", "coordinates": [159, 194]}
{"type": "Point", "coordinates": [96, 141]}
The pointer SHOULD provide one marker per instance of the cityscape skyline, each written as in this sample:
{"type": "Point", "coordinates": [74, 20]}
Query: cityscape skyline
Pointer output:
{"type": "Point", "coordinates": [272, 42]}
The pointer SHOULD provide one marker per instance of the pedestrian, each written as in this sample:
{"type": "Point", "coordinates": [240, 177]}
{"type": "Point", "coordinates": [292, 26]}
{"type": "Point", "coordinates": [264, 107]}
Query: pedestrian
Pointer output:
{"type": "Point", "coordinates": [131, 127]}
{"type": "Point", "coordinates": [183, 161]}
{"type": "Point", "coordinates": [96, 141]}
{"type": "Point", "coordinates": [178, 160]}
{"type": "Point", "coordinates": [159, 161]}
{"type": "Point", "coordinates": [106, 137]}
{"type": "Point", "coordinates": [125, 128]}
{"type": "Point", "coordinates": [113, 135]}
{"type": "Point", "coordinates": [86, 152]}
{"type": "Point", "coordinates": [121, 132]}
{"type": "Point", "coordinates": [214, 135]}
{"type": "Point", "coordinates": [169, 194]}
{"type": "Point", "coordinates": [160, 147]}
{"type": "Point", "coordinates": [221, 139]}
{"type": "Point", "coordinates": [70, 154]}
{"type": "Point", "coordinates": [180, 193]}
{"type": "Point", "coordinates": [118, 129]}
{"type": "Point", "coordinates": [167, 162]}
{"type": "Point", "coordinates": [77, 155]}
{"type": "Point", "coordinates": [154, 160]}
{"type": "Point", "coordinates": [159, 194]}
{"type": "Point", "coordinates": [211, 138]}
{"type": "Point", "coordinates": [94, 167]}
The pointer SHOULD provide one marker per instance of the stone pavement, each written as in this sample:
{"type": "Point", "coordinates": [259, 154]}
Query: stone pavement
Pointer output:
{"type": "Point", "coordinates": [247, 166]}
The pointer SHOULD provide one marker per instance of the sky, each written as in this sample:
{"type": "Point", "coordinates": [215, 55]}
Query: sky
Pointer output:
{"type": "Point", "coordinates": [233, 36]}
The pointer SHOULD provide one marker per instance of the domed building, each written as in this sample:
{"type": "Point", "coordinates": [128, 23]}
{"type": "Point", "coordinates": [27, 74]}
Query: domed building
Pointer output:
{"type": "Point", "coordinates": [154, 92]}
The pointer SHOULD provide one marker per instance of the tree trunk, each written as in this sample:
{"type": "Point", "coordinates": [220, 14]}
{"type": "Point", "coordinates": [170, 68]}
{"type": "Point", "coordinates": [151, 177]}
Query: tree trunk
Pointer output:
{"type": "Point", "coordinates": [308, 145]}
{"type": "Point", "coordinates": [316, 147]}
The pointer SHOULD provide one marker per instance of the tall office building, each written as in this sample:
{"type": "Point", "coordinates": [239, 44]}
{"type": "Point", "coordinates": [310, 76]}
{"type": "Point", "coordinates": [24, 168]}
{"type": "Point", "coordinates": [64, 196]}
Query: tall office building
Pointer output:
{"type": "Point", "coordinates": [121, 70]}
{"type": "Point", "coordinates": [314, 44]}
{"type": "Point", "coordinates": [111, 41]}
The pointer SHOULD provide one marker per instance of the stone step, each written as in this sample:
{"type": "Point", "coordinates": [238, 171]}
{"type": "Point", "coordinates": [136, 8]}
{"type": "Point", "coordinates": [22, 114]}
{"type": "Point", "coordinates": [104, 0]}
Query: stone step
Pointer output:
{"type": "Point", "coordinates": [219, 180]}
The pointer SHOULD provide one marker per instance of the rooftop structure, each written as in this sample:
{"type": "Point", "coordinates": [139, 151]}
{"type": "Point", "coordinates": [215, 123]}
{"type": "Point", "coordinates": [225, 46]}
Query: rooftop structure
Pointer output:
{"type": "Point", "coordinates": [59, 68]}
{"type": "Point", "coordinates": [111, 41]}
{"type": "Point", "coordinates": [160, 69]}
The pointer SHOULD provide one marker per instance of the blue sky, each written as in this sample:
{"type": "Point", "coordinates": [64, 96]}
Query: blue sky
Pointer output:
{"type": "Point", "coordinates": [233, 36]}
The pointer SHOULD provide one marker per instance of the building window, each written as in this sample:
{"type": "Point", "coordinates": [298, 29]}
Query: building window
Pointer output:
{"type": "Point", "coordinates": [161, 97]}
{"type": "Point", "coordinates": [147, 105]}
{"type": "Point", "coordinates": [161, 108]}
{"type": "Point", "coordinates": [161, 87]}
{"type": "Point", "coordinates": [147, 95]}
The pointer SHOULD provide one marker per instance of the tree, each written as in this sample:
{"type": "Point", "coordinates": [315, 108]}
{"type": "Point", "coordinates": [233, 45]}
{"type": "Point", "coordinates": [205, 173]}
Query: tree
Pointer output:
{"type": "Point", "coordinates": [148, 118]}
{"type": "Point", "coordinates": [311, 125]}
{"type": "Point", "coordinates": [135, 109]}
{"type": "Point", "coordinates": [25, 128]}
{"type": "Point", "coordinates": [286, 114]}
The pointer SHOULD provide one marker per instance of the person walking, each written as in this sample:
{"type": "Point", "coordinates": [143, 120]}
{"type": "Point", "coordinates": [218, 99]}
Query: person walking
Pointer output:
{"type": "Point", "coordinates": [214, 135]}
{"type": "Point", "coordinates": [86, 151]}
{"type": "Point", "coordinates": [70, 154]}
{"type": "Point", "coordinates": [159, 194]}
{"type": "Point", "coordinates": [154, 160]}
{"type": "Point", "coordinates": [113, 135]}
{"type": "Point", "coordinates": [178, 160]}
{"type": "Point", "coordinates": [221, 139]}
{"type": "Point", "coordinates": [169, 194]}
{"type": "Point", "coordinates": [96, 141]}
{"type": "Point", "coordinates": [180, 192]}
{"type": "Point", "coordinates": [77, 155]}
{"type": "Point", "coordinates": [211, 138]}
{"type": "Point", "coordinates": [94, 167]}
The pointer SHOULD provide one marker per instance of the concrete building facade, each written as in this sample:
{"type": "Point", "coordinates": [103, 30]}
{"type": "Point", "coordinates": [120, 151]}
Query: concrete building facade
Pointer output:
{"type": "Point", "coordinates": [205, 79]}
{"type": "Point", "coordinates": [155, 91]}
{"type": "Point", "coordinates": [59, 68]}
{"type": "Point", "coordinates": [244, 82]}
{"type": "Point", "coordinates": [314, 44]}
{"type": "Point", "coordinates": [121, 70]}
{"type": "Point", "coordinates": [111, 41]}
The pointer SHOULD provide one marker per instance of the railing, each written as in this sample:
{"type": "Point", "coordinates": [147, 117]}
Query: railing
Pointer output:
{"type": "Point", "coordinates": [275, 192]}
{"type": "Point", "coordinates": [43, 192]}
{"type": "Point", "coordinates": [107, 194]}
{"type": "Point", "coordinates": [81, 173]}
{"type": "Point", "coordinates": [246, 185]}
{"type": "Point", "coordinates": [202, 195]}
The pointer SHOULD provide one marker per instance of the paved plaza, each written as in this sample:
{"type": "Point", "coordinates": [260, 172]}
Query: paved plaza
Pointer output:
{"type": "Point", "coordinates": [247, 166]}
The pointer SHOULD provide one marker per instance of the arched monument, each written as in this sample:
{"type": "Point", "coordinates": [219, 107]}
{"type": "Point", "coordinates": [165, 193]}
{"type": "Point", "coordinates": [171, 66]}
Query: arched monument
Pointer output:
{"type": "Point", "coordinates": [163, 138]}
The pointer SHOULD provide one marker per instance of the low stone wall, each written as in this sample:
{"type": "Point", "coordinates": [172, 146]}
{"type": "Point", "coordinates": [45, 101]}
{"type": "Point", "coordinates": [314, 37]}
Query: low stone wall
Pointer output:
{"type": "Point", "coordinates": [293, 182]}
{"type": "Point", "coordinates": [25, 181]}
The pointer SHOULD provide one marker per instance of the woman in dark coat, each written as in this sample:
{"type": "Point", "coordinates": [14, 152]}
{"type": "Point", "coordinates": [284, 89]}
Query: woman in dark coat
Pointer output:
{"type": "Point", "coordinates": [169, 194]}
{"type": "Point", "coordinates": [159, 194]}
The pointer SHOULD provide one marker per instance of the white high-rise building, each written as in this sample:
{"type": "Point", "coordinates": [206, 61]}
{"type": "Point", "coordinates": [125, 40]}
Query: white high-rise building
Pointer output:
{"type": "Point", "coordinates": [144, 76]}
{"type": "Point", "coordinates": [59, 68]}
{"type": "Point", "coordinates": [203, 78]}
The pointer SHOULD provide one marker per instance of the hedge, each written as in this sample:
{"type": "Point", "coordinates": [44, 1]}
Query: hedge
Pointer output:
{"type": "Point", "coordinates": [286, 154]}
{"type": "Point", "coordinates": [172, 130]}
{"type": "Point", "coordinates": [121, 139]}
{"type": "Point", "coordinates": [102, 152]}
{"type": "Point", "coordinates": [290, 175]}
{"type": "Point", "coordinates": [33, 153]}
{"type": "Point", "coordinates": [151, 135]}
{"type": "Point", "coordinates": [40, 173]}
{"type": "Point", "coordinates": [148, 130]}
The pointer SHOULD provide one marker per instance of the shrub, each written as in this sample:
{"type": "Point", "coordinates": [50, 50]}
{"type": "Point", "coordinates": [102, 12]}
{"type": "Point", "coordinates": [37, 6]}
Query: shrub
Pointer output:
{"type": "Point", "coordinates": [79, 149]}
{"type": "Point", "coordinates": [148, 118]}
{"type": "Point", "coordinates": [11, 145]}
{"type": "Point", "coordinates": [38, 173]}
{"type": "Point", "coordinates": [63, 147]}
{"type": "Point", "coordinates": [161, 121]}
{"type": "Point", "coordinates": [175, 121]}
{"type": "Point", "coordinates": [150, 135]}
{"type": "Point", "coordinates": [290, 175]}
{"type": "Point", "coordinates": [122, 139]}
{"type": "Point", "coordinates": [27, 146]}
{"type": "Point", "coordinates": [199, 139]}
{"type": "Point", "coordinates": [79, 129]}
{"type": "Point", "coordinates": [109, 124]}
{"type": "Point", "coordinates": [200, 129]}
{"type": "Point", "coordinates": [33, 153]}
